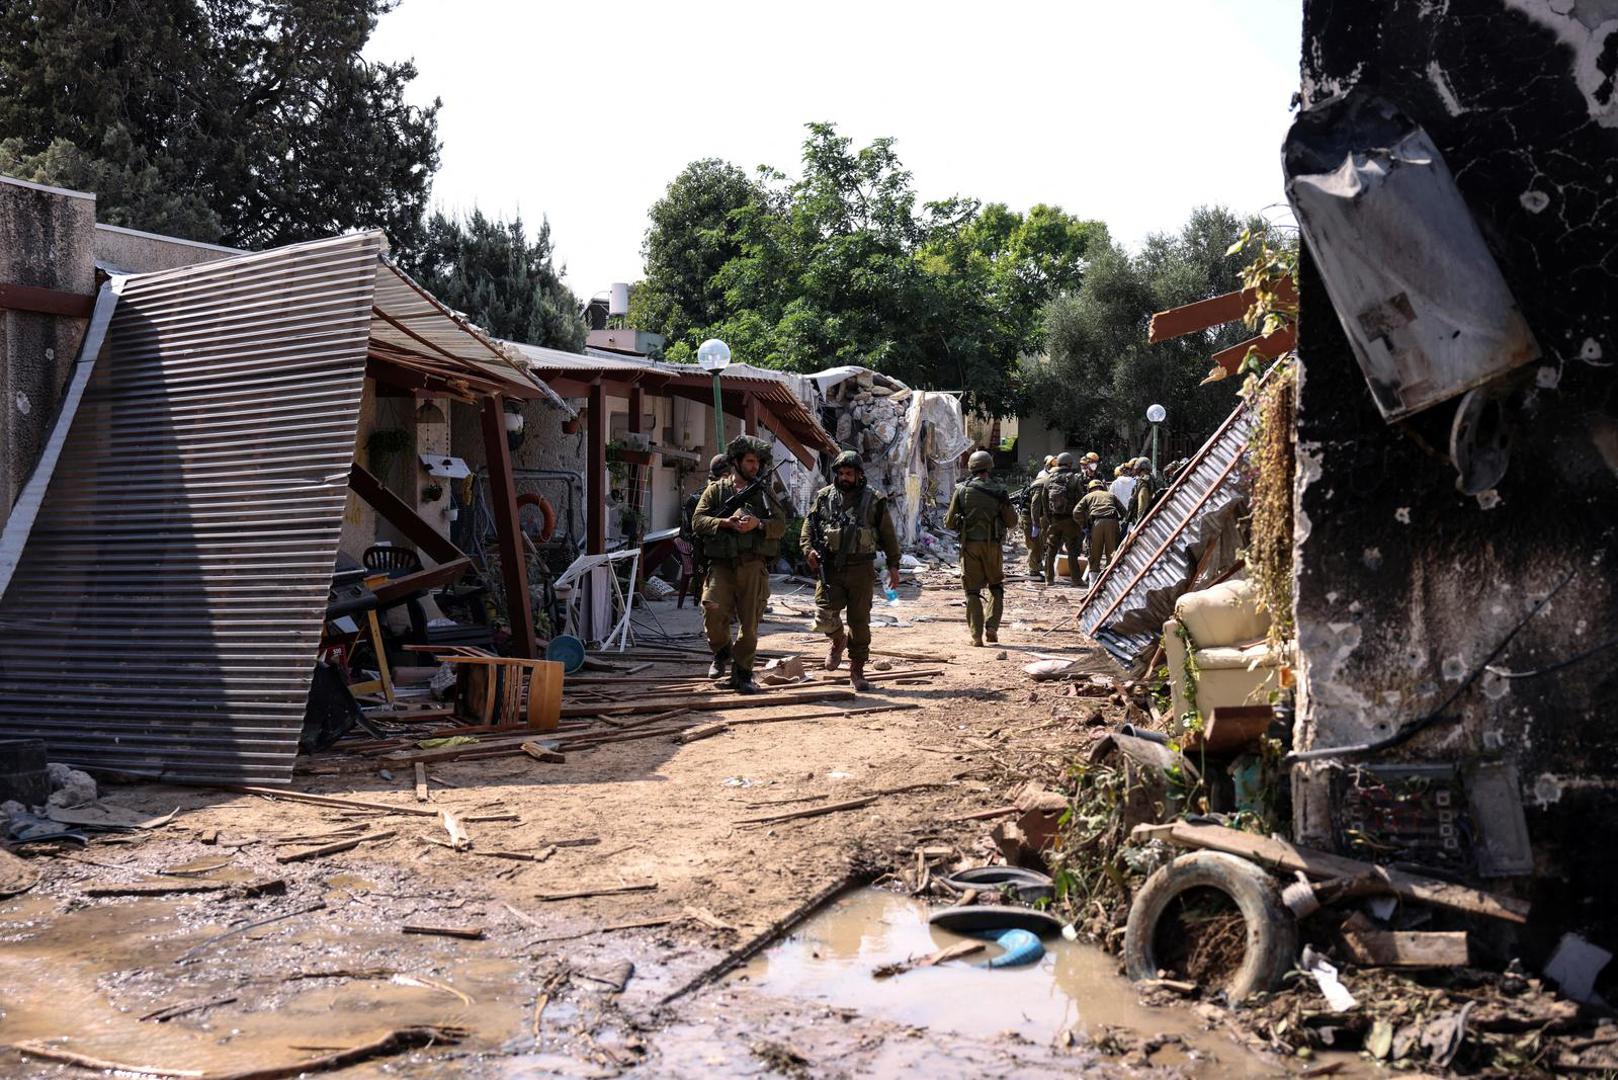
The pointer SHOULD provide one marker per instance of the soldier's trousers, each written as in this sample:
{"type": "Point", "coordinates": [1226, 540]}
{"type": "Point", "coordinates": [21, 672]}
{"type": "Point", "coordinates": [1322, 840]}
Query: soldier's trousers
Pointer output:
{"type": "Point", "coordinates": [852, 588]}
{"type": "Point", "coordinates": [982, 570]}
{"type": "Point", "coordinates": [1104, 536]}
{"type": "Point", "coordinates": [1035, 538]}
{"type": "Point", "coordinates": [738, 589]}
{"type": "Point", "coordinates": [1060, 534]}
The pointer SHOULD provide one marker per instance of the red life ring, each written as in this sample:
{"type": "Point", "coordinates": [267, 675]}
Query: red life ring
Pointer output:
{"type": "Point", "coordinates": [548, 527]}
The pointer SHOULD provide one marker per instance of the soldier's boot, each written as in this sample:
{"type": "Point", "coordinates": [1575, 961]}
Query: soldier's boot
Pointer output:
{"type": "Point", "coordinates": [741, 681]}
{"type": "Point", "coordinates": [974, 616]}
{"type": "Point", "coordinates": [721, 660]}
{"type": "Point", "coordinates": [856, 676]}
{"type": "Point", "coordinates": [991, 635]}
{"type": "Point", "coordinates": [834, 653]}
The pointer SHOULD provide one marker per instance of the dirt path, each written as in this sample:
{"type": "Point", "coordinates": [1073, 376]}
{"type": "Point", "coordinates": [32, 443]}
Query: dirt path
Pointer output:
{"type": "Point", "coordinates": [663, 813]}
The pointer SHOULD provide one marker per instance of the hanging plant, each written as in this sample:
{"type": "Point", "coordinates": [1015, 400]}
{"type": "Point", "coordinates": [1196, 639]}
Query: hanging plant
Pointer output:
{"type": "Point", "coordinates": [386, 442]}
{"type": "Point", "coordinates": [432, 492]}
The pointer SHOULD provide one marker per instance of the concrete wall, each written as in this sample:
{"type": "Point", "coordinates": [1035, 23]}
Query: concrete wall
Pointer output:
{"type": "Point", "coordinates": [130, 251]}
{"type": "Point", "coordinates": [1405, 586]}
{"type": "Point", "coordinates": [45, 241]}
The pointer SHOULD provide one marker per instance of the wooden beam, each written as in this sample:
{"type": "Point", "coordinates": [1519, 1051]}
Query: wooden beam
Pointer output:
{"type": "Point", "coordinates": [1206, 314]}
{"type": "Point", "coordinates": [1406, 949]}
{"type": "Point", "coordinates": [638, 475]}
{"type": "Point", "coordinates": [1230, 360]}
{"type": "Point", "coordinates": [402, 516]}
{"type": "Point", "coordinates": [750, 414]}
{"type": "Point", "coordinates": [1279, 855]}
{"type": "Point", "coordinates": [799, 451]}
{"type": "Point", "coordinates": [400, 588]}
{"type": "Point", "coordinates": [595, 471]}
{"type": "Point", "coordinates": [41, 301]}
{"type": "Point", "coordinates": [503, 500]}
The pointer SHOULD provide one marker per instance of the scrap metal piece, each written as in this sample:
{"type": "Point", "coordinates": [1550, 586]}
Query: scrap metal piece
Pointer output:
{"type": "Point", "coordinates": [1419, 296]}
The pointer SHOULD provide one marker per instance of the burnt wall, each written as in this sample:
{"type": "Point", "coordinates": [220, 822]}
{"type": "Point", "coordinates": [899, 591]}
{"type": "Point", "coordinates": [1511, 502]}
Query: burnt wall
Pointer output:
{"type": "Point", "coordinates": [1406, 586]}
{"type": "Point", "coordinates": [45, 241]}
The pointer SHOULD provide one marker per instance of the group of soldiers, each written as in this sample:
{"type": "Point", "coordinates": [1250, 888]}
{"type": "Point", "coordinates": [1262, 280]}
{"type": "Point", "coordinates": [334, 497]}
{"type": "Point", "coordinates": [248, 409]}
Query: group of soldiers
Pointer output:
{"type": "Point", "coordinates": [737, 526]}
{"type": "Point", "coordinates": [1074, 509]}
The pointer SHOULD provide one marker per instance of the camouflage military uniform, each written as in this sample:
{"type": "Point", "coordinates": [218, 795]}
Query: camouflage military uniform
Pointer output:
{"type": "Point", "coordinates": [738, 582]}
{"type": "Point", "coordinates": [1061, 531]}
{"type": "Point", "coordinates": [981, 512]}
{"type": "Point", "coordinates": [1101, 514]}
{"type": "Point", "coordinates": [852, 527]}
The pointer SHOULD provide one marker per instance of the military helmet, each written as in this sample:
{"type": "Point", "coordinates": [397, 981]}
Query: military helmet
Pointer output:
{"type": "Point", "coordinates": [1050, 459]}
{"type": "Point", "coordinates": [742, 445]}
{"type": "Point", "coordinates": [848, 459]}
{"type": "Point", "coordinates": [1095, 485]}
{"type": "Point", "coordinates": [1143, 463]}
{"type": "Point", "coordinates": [1118, 473]}
{"type": "Point", "coordinates": [1092, 456]}
{"type": "Point", "coordinates": [980, 461]}
{"type": "Point", "coordinates": [1064, 460]}
{"type": "Point", "coordinates": [718, 466]}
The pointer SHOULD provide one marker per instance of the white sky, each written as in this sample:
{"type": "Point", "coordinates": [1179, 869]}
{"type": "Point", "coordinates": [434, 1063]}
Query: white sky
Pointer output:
{"type": "Point", "coordinates": [1133, 111]}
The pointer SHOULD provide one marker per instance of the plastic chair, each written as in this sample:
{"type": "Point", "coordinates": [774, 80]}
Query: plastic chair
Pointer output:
{"type": "Point", "coordinates": [386, 559]}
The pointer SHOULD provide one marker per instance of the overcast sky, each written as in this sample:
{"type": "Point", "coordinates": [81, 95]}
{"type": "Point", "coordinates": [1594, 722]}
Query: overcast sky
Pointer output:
{"type": "Point", "coordinates": [1131, 112]}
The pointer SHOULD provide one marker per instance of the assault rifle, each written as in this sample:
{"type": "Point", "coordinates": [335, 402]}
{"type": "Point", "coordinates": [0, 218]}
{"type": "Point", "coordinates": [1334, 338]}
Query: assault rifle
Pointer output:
{"type": "Point", "coordinates": [739, 497]}
{"type": "Point", "coordinates": [817, 544]}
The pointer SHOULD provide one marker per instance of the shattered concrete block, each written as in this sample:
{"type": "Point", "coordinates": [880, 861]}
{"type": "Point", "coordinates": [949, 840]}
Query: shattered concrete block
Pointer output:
{"type": "Point", "coordinates": [69, 787]}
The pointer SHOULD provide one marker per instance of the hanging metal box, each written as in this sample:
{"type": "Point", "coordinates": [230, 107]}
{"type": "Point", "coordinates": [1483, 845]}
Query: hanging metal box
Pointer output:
{"type": "Point", "coordinates": [1418, 293]}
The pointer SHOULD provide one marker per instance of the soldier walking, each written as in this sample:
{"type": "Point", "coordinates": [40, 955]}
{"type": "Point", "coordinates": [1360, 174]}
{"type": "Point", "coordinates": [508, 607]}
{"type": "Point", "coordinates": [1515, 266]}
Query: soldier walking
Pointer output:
{"type": "Point", "coordinates": [1058, 496]}
{"type": "Point", "coordinates": [1101, 513]}
{"type": "Point", "coordinates": [740, 527]}
{"type": "Point", "coordinates": [1032, 533]}
{"type": "Point", "coordinates": [982, 512]}
{"type": "Point", "coordinates": [848, 524]}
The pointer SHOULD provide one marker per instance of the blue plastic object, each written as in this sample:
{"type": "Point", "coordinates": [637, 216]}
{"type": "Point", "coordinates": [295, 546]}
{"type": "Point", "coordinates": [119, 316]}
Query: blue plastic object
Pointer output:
{"type": "Point", "coordinates": [1021, 948]}
{"type": "Point", "coordinates": [892, 595]}
{"type": "Point", "coordinates": [566, 650]}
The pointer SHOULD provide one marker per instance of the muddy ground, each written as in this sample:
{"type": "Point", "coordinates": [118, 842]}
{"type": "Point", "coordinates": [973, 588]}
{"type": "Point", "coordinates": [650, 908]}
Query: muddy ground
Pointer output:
{"type": "Point", "coordinates": [82, 971]}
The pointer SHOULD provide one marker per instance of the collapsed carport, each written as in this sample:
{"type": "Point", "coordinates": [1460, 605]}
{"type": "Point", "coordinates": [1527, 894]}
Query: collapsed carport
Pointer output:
{"type": "Point", "coordinates": [164, 575]}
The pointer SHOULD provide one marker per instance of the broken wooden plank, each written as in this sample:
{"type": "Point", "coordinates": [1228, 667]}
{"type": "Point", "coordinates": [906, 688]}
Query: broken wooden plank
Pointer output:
{"type": "Point", "coordinates": [539, 753]}
{"type": "Point", "coordinates": [985, 815]}
{"type": "Point", "coordinates": [704, 731]}
{"type": "Point", "coordinates": [332, 848]}
{"type": "Point", "coordinates": [326, 800]}
{"type": "Point", "coordinates": [156, 888]}
{"type": "Point", "coordinates": [421, 782]}
{"type": "Point", "coordinates": [1406, 949]}
{"type": "Point", "coordinates": [942, 956]}
{"type": "Point", "coordinates": [1214, 311]}
{"type": "Point", "coordinates": [469, 933]}
{"type": "Point", "coordinates": [1280, 855]}
{"type": "Point", "coordinates": [606, 890]}
{"type": "Point", "coordinates": [814, 811]}
{"type": "Point", "coordinates": [184, 1008]}
{"type": "Point", "coordinates": [715, 702]}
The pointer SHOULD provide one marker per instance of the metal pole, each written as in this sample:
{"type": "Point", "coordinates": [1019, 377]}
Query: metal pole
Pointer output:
{"type": "Point", "coordinates": [1154, 449]}
{"type": "Point", "coordinates": [718, 417]}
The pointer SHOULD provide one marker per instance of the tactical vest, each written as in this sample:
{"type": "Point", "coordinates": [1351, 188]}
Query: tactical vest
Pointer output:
{"type": "Point", "coordinates": [848, 529]}
{"type": "Point", "coordinates": [1059, 497]}
{"type": "Point", "coordinates": [979, 503]}
{"type": "Point", "coordinates": [728, 546]}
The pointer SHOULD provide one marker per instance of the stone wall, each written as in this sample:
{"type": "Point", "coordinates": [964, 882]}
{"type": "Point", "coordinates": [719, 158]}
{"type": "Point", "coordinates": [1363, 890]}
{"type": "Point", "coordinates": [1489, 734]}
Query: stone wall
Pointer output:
{"type": "Point", "coordinates": [1406, 586]}
{"type": "Point", "coordinates": [45, 242]}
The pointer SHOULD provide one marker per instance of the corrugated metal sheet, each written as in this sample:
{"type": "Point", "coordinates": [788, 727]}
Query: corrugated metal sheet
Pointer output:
{"type": "Point", "coordinates": [165, 614]}
{"type": "Point", "coordinates": [1127, 608]}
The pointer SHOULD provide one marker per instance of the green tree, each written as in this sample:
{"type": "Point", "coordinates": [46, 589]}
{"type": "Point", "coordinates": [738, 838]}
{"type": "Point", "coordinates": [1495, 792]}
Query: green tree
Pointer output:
{"type": "Point", "coordinates": [1100, 374]}
{"type": "Point", "coordinates": [498, 278]}
{"type": "Point", "coordinates": [692, 235]}
{"type": "Point", "coordinates": [246, 122]}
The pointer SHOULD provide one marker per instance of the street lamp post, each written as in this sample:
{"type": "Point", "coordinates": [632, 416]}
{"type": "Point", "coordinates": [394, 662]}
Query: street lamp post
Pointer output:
{"type": "Point", "coordinates": [714, 355]}
{"type": "Point", "coordinates": [1155, 414]}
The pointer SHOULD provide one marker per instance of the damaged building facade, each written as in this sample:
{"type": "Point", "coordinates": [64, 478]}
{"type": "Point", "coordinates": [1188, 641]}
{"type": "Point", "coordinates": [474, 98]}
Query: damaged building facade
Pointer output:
{"type": "Point", "coordinates": [1456, 593]}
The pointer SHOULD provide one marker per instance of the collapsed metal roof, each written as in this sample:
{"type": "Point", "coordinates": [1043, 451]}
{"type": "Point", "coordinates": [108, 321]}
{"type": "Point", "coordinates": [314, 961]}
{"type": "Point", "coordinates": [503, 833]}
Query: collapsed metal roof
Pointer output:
{"type": "Point", "coordinates": [165, 612]}
{"type": "Point", "coordinates": [1125, 610]}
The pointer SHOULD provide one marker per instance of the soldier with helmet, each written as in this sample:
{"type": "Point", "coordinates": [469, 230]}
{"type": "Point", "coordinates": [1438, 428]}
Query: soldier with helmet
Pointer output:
{"type": "Point", "coordinates": [693, 567]}
{"type": "Point", "coordinates": [1101, 515]}
{"type": "Point", "coordinates": [981, 511]}
{"type": "Point", "coordinates": [848, 524]}
{"type": "Point", "coordinates": [740, 527]}
{"type": "Point", "coordinates": [1056, 498]}
{"type": "Point", "coordinates": [1090, 467]}
{"type": "Point", "coordinates": [1033, 533]}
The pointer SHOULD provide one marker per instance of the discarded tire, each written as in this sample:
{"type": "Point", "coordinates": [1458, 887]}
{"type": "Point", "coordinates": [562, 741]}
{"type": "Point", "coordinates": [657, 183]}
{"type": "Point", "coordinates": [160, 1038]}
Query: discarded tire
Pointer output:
{"type": "Point", "coordinates": [1029, 886]}
{"type": "Point", "coordinates": [1272, 933]}
{"type": "Point", "coordinates": [972, 920]}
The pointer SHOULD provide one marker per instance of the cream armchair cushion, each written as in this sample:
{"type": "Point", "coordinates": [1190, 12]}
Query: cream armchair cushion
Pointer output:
{"type": "Point", "coordinates": [1234, 664]}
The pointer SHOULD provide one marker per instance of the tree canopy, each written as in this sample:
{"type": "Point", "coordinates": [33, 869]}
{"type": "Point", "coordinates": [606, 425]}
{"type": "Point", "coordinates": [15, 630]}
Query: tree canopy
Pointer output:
{"type": "Point", "coordinates": [489, 270]}
{"type": "Point", "coordinates": [844, 265]}
{"type": "Point", "coordinates": [251, 123]}
{"type": "Point", "coordinates": [1099, 374]}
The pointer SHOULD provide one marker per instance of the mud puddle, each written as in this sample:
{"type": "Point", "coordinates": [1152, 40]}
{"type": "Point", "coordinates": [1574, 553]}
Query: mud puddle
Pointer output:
{"type": "Point", "coordinates": [1074, 988]}
{"type": "Point", "coordinates": [89, 980]}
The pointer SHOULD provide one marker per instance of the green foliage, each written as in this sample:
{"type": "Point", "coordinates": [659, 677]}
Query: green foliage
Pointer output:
{"type": "Point", "coordinates": [245, 122]}
{"type": "Point", "coordinates": [500, 279]}
{"type": "Point", "coordinates": [693, 234]}
{"type": "Point", "coordinates": [1100, 374]}
{"type": "Point", "coordinates": [842, 266]}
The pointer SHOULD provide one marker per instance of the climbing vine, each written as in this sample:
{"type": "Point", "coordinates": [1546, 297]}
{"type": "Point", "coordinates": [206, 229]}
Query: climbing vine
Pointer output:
{"type": "Point", "coordinates": [1271, 461]}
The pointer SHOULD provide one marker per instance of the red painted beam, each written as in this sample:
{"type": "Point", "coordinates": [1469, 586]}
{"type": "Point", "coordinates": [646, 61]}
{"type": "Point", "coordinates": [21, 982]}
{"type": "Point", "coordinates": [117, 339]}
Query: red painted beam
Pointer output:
{"type": "Point", "coordinates": [41, 301]}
